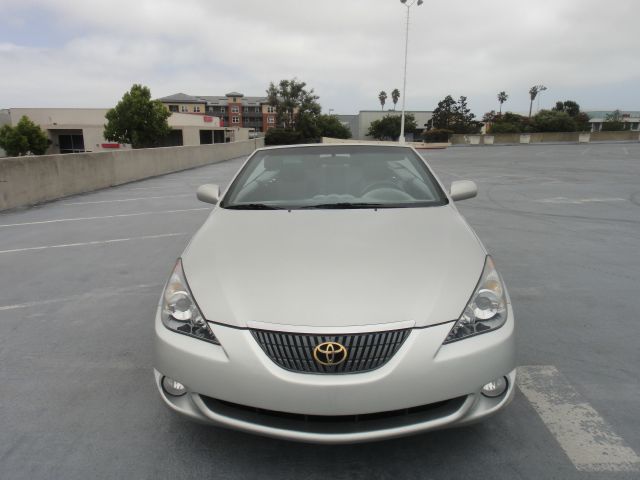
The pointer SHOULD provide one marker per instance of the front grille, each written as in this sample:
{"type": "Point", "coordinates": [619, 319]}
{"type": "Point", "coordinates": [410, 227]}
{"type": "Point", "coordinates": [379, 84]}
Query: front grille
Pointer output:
{"type": "Point", "coordinates": [364, 351]}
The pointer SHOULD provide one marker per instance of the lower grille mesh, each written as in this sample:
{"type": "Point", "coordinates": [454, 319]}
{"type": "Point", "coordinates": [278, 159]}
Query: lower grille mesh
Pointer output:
{"type": "Point", "coordinates": [364, 351]}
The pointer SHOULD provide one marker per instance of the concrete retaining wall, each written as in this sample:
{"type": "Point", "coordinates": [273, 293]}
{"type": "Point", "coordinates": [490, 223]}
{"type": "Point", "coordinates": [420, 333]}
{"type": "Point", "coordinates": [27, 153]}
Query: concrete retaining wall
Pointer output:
{"type": "Point", "coordinates": [542, 137]}
{"type": "Point", "coordinates": [34, 179]}
{"type": "Point", "coordinates": [614, 136]}
{"type": "Point", "coordinates": [420, 145]}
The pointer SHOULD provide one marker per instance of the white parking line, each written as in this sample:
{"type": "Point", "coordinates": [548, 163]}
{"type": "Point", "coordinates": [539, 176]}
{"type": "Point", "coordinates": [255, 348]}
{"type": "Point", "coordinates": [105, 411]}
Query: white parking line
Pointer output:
{"type": "Point", "coordinates": [106, 292]}
{"type": "Point", "coordinates": [78, 219]}
{"type": "Point", "coordinates": [164, 187]}
{"type": "Point", "coordinates": [580, 201]}
{"type": "Point", "coordinates": [587, 439]}
{"type": "Point", "coordinates": [130, 199]}
{"type": "Point", "coordinates": [96, 242]}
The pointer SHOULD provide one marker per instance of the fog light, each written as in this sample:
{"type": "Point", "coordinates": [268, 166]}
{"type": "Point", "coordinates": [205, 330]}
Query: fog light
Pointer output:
{"type": "Point", "coordinates": [173, 387]}
{"type": "Point", "coordinates": [495, 388]}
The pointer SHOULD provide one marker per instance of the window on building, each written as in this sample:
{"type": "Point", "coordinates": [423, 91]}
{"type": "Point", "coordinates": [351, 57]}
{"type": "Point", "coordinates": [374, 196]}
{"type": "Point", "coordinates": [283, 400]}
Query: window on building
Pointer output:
{"type": "Point", "coordinates": [271, 120]}
{"type": "Point", "coordinates": [223, 109]}
{"type": "Point", "coordinates": [184, 108]}
{"type": "Point", "coordinates": [174, 139]}
{"type": "Point", "coordinates": [71, 143]}
{"type": "Point", "coordinates": [196, 108]}
{"type": "Point", "coordinates": [173, 108]}
{"type": "Point", "coordinates": [235, 109]}
{"type": "Point", "coordinates": [271, 109]}
{"type": "Point", "coordinates": [206, 137]}
{"type": "Point", "coordinates": [235, 119]}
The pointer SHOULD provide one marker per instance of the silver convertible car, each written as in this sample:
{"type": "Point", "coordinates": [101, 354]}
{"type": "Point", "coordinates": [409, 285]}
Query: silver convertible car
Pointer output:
{"type": "Point", "coordinates": [334, 295]}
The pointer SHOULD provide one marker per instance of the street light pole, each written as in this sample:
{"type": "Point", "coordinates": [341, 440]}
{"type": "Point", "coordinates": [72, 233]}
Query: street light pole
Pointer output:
{"type": "Point", "coordinates": [406, 50]}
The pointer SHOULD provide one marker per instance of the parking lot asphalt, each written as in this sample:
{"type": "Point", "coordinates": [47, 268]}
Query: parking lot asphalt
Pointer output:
{"type": "Point", "coordinates": [80, 279]}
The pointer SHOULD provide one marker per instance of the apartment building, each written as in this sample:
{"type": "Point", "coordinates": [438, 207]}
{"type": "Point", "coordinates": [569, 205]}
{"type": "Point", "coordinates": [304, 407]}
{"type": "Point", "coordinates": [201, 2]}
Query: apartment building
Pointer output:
{"type": "Point", "coordinates": [234, 109]}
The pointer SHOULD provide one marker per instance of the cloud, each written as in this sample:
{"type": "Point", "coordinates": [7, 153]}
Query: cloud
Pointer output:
{"type": "Point", "coordinates": [88, 53]}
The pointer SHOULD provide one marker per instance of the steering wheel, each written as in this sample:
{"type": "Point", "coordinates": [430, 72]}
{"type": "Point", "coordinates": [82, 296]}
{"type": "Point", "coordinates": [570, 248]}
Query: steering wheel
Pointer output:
{"type": "Point", "coordinates": [379, 185]}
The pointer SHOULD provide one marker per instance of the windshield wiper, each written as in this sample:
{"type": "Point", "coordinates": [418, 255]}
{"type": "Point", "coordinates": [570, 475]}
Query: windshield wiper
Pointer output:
{"type": "Point", "coordinates": [252, 206]}
{"type": "Point", "coordinates": [346, 205]}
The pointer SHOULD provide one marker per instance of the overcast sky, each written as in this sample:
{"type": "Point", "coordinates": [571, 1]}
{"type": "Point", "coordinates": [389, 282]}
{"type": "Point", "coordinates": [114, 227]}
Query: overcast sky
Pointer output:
{"type": "Point", "coordinates": [70, 53]}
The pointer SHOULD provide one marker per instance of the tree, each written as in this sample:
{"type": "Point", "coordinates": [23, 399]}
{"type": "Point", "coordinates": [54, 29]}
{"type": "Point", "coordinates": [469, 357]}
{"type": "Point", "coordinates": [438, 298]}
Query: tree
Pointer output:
{"type": "Point", "coordinates": [568, 106]}
{"type": "Point", "coordinates": [307, 127]}
{"type": "Point", "coordinates": [23, 139]}
{"type": "Point", "coordinates": [330, 126]}
{"type": "Point", "coordinates": [615, 116]}
{"type": "Point", "coordinates": [382, 97]}
{"type": "Point", "coordinates": [582, 122]}
{"type": "Point", "coordinates": [533, 93]}
{"type": "Point", "coordinates": [612, 126]}
{"type": "Point", "coordinates": [437, 135]}
{"type": "Point", "coordinates": [613, 122]}
{"type": "Point", "coordinates": [456, 116]}
{"type": "Point", "coordinates": [505, 127]}
{"type": "Point", "coordinates": [444, 116]}
{"type": "Point", "coordinates": [490, 117]}
{"type": "Point", "coordinates": [553, 121]}
{"type": "Point", "coordinates": [388, 128]}
{"type": "Point", "coordinates": [281, 136]}
{"type": "Point", "coordinates": [509, 123]}
{"type": "Point", "coordinates": [296, 107]}
{"type": "Point", "coordinates": [466, 122]}
{"type": "Point", "coordinates": [395, 96]}
{"type": "Point", "coordinates": [573, 110]}
{"type": "Point", "coordinates": [502, 97]}
{"type": "Point", "coordinates": [137, 119]}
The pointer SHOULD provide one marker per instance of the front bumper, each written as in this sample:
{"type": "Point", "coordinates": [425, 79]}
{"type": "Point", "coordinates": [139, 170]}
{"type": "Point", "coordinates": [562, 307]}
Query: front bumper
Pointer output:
{"type": "Point", "coordinates": [425, 386]}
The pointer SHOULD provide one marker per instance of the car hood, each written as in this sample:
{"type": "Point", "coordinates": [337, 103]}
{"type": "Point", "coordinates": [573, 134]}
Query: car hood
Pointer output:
{"type": "Point", "coordinates": [337, 269]}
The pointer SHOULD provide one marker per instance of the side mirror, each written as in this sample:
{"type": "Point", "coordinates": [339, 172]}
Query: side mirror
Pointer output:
{"type": "Point", "coordinates": [463, 189]}
{"type": "Point", "coordinates": [208, 193]}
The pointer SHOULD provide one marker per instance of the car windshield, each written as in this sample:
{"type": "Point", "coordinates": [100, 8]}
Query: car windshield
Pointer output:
{"type": "Point", "coordinates": [334, 177]}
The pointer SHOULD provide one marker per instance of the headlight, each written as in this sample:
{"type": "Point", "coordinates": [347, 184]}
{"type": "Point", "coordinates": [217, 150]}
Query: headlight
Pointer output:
{"type": "Point", "coordinates": [487, 309]}
{"type": "Point", "coordinates": [179, 311]}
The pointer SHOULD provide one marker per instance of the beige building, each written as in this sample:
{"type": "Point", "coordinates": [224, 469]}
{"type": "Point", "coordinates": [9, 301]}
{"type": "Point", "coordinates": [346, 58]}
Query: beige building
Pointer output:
{"type": "Point", "coordinates": [74, 130]}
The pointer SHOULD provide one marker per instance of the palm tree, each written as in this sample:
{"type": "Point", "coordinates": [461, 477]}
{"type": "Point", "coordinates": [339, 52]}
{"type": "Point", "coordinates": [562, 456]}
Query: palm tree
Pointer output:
{"type": "Point", "coordinates": [395, 96]}
{"type": "Point", "coordinates": [533, 93]}
{"type": "Point", "coordinates": [382, 96]}
{"type": "Point", "coordinates": [502, 97]}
